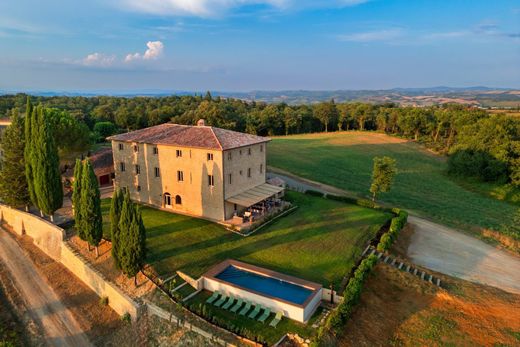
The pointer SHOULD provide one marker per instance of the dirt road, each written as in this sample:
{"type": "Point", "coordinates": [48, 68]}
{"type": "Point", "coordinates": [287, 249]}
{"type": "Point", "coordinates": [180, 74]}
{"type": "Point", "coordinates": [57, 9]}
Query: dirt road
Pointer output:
{"type": "Point", "coordinates": [441, 248]}
{"type": "Point", "coordinates": [59, 325]}
{"type": "Point", "coordinates": [451, 252]}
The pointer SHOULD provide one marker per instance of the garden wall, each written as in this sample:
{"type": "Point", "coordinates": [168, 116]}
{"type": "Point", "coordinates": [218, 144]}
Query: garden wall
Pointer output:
{"type": "Point", "coordinates": [119, 301]}
{"type": "Point", "coordinates": [50, 239]}
{"type": "Point", "coordinates": [47, 236]}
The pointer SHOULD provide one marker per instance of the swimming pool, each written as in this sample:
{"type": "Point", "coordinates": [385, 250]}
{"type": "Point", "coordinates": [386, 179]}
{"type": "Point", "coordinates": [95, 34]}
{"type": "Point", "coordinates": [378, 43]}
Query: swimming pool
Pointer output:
{"type": "Point", "coordinates": [298, 299]}
{"type": "Point", "coordinates": [265, 285]}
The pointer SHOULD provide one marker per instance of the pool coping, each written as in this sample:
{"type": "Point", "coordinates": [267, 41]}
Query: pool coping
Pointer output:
{"type": "Point", "coordinates": [217, 269]}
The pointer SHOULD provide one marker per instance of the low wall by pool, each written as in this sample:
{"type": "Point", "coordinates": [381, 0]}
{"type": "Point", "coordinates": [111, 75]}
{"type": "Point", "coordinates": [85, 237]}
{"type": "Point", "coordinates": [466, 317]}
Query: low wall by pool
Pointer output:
{"type": "Point", "coordinates": [296, 298]}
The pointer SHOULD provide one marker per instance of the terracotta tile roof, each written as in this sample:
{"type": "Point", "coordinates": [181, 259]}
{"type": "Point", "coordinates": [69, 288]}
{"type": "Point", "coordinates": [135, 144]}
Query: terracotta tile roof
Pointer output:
{"type": "Point", "coordinates": [102, 162]}
{"type": "Point", "coordinates": [191, 136]}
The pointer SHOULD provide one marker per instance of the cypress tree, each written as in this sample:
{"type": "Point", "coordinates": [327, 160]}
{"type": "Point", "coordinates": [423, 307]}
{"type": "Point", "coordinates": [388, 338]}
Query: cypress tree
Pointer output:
{"type": "Point", "coordinates": [90, 207]}
{"type": "Point", "coordinates": [115, 214]}
{"type": "Point", "coordinates": [45, 166]}
{"type": "Point", "coordinates": [13, 184]}
{"type": "Point", "coordinates": [132, 236]}
{"type": "Point", "coordinates": [76, 197]}
{"type": "Point", "coordinates": [125, 223]}
{"type": "Point", "coordinates": [30, 114]}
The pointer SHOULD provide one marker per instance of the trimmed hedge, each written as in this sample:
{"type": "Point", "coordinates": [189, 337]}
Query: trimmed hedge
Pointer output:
{"type": "Point", "coordinates": [396, 226]}
{"type": "Point", "coordinates": [351, 296]}
{"type": "Point", "coordinates": [201, 310]}
{"type": "Point", "coordinates": [360, 202]}
{"type": "Point", "coordinates": [314, 193]}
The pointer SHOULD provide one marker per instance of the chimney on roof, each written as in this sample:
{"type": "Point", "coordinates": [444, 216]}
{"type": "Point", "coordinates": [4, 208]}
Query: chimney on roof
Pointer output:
{"type": "Point", "coordinates": [201, 123]}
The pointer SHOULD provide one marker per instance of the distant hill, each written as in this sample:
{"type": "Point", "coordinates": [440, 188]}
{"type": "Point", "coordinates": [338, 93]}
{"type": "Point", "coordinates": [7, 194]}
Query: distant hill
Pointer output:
{"type": "Point", "coordinates": [478, 96]}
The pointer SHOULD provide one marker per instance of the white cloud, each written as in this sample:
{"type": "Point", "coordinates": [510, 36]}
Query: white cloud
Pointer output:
{"type": "Point", "coordinates": [212, 8]}
{"type": "Point", "coordinates": [372, 36]}
{"type": "Point", "coordinates": [154, 51]}
{"type": "Point", "coordinates": [99, 59]}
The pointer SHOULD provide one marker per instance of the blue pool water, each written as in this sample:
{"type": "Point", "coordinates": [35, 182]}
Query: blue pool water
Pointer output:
{"type": "Point", "coordinates": [265, 285]}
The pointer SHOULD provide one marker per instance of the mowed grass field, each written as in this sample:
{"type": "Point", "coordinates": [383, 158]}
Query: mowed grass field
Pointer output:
{"type": "Point", "coordinates": [344, 160]}
{"type": "Point", "coordinates": [294, 244]}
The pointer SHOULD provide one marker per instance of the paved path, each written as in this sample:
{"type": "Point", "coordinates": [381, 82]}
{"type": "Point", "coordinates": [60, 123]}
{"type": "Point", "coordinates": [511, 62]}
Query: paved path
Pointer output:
{"type": "Point", "coordinates": [59, 325]}
{"type": "Point", "coordinates": [454, 253]}
{"type": "Point", "coordinates": [441, 248]}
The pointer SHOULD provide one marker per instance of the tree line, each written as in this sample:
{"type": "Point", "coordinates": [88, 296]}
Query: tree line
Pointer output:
{"type": "Point", "coordinates": [480, 145]}
{"type": "Point", "coordinates": [30, 175]}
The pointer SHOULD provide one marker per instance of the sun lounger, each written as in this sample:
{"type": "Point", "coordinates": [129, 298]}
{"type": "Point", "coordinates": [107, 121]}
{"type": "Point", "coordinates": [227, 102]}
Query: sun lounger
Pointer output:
{"type": "Point", "coordinates": [276, 319]}
{"type": "Point", "coordinates": [220, 301]}
{"type": "Point", "coordinates": [265, 315]}
{"type": "Point", "coordinates": [235, 308]}
{"type": "Point", "coordinates": [213, 297]}
{"type": "Point", "coordinates": [256, 311]}
{"type": "Point", "coordinates": [246, 309]}
{"type": "Point", "coordinates": [229, 303]}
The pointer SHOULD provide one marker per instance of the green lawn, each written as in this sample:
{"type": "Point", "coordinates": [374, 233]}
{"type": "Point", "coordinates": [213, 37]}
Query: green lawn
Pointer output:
{"type": "Point", "coordinates": [319, 242]}
{"type": "Point", "coordinates": [344, 160]}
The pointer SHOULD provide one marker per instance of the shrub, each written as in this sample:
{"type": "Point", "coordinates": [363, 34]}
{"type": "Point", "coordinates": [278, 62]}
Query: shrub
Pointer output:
{"type": "Point", "coordinates": [351, 296]}
{"type": "Point", "coordinates": [126, 318]}
{"type": "Point", "coordinates": [396, 225]}
{"type": "Point", "coordinates": [103, 301]}
{"type": "Point", "coordinates": [314, 193]}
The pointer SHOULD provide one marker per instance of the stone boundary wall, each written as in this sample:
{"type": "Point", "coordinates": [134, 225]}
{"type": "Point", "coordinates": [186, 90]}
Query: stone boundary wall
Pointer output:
{"type": "Point", "coordinates": [78, 265]}
{"type": "Point", "coordinates": [50, 239]}
{"type": "Point", "coordinates": [47, 236]}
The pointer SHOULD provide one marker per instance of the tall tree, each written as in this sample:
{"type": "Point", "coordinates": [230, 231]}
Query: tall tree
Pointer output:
{"type": "Point", "coordinates": [13, 183]}
{"type": "Point", "coordinates": [326, 113]}
{"type": "Point", "coordinates": [382, 175]}
{"type": "Point", "coordinates": [90, 207]}
{"type": "Point", "coordinates": [132, 237]}
{"type": "Point", "coordinates": [76, 197]}
{"type": "Point", "coordinates": [46, 171]}
{"type": "Point", "coordinates": [115, 214]}
{"type": "Point", "coordinates": [30, 131]}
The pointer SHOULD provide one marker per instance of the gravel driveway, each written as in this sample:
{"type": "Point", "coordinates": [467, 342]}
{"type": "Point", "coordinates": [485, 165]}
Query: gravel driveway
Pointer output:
{"type": "Point", "coordinates": [451, 252]}
{"type": "Point", "coordinates": [60, 327]}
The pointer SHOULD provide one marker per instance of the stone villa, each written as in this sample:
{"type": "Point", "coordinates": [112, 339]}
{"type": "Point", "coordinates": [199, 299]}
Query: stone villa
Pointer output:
{"type": "Point", "coordinates": [198, 170]}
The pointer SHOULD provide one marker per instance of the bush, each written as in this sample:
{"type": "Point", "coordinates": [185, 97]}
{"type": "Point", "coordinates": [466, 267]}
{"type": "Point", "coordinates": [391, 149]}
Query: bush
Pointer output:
{"type": "Point", "coordinates": [477, 164]}
{"type": "Point", "coordinates": [314, 193]}
{"type": "Point", "coordinates": [360, 202]}
{"type": "Point", "coordinates": [396, 225]}
{"type": "Point", "coordinates": [103, 301]}
{"type": "Point", "coordinates": [126, 318]}
{"type": "Point", "coordinates": [351, 296]}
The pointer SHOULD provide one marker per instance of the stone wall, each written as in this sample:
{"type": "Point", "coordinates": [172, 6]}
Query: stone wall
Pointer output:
{"type": "Point", "coordinates": [119, 301]}
{"type": "Point", "coordinates": [47, 236]}
{"type": "Point", "coordinates": [50, 239]}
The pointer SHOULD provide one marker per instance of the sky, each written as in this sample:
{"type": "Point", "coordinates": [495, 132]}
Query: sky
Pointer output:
{"type": "Point", "coordinates": [244, 45]}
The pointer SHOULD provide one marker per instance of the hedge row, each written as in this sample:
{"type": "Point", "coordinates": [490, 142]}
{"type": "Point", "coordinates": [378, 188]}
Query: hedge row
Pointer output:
{"type": "Point", "coordinates": [339, 317]}
{"type": "Point", "coordinates": [397, 224]}
{"type": "Point", "coordinates": [205, 312]}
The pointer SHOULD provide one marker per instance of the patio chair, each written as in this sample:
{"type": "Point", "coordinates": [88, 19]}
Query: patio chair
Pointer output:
{"type": "Point", "coordinates": [213, 297]}
{"type": "Point", "coordinates": [276, 319]}
{"type": "Point", "coordinates": [256, 311]}
{"type": "Point", "coordinates": [246, 308]}
{"type": "Point", "coordinates": [235, 308]}
{"type": "Point", "coordinates": [229, 303]}
{"type": "Point", "coordinates": [265, 315]}
{"type": "Point", "coordinates": [220, 301]}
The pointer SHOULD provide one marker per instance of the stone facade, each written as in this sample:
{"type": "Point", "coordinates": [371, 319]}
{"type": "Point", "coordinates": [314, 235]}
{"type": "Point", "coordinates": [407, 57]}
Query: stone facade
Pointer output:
{"type": "Point", "coordinates": [187, 179]}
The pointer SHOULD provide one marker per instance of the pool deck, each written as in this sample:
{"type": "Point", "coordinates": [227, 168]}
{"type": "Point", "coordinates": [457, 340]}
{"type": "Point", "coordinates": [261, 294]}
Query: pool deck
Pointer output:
{"type": "Point", "coordinates": [217, 269]}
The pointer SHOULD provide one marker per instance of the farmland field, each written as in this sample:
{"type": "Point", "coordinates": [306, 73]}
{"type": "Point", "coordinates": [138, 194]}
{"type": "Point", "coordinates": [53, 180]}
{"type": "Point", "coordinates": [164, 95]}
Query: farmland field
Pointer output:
{"type": "Point", "coordinates": [344, 160]}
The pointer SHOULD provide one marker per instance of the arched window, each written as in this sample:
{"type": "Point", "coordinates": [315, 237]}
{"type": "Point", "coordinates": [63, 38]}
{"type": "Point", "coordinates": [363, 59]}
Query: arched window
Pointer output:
{"type": "Point", "coordinates": [178, 200]}
{"type": "Point", "coordinates": [167, 199]}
